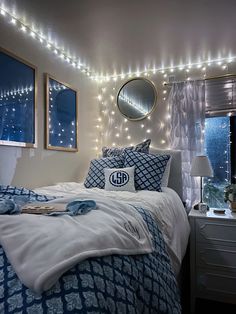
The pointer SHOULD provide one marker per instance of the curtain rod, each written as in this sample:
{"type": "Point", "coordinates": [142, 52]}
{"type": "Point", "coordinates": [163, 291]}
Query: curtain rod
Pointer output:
{"type": "Point", "coordinates": [200, 80]}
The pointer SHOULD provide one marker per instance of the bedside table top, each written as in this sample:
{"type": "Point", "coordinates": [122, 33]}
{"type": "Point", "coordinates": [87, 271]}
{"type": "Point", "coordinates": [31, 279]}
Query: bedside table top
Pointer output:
{"type": "Point", "coordinates": [210, 214]}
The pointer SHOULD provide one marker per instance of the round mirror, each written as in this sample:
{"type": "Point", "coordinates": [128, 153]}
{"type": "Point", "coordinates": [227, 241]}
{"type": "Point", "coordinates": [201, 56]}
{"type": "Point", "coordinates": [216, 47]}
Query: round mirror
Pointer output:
{"type": "Point", "coordinates": [136, 99]}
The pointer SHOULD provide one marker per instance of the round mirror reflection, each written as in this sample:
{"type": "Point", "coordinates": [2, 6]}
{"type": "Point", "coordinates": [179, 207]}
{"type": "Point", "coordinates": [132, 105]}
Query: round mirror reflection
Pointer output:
{"type": "Point", "coordinates": [136, 99]}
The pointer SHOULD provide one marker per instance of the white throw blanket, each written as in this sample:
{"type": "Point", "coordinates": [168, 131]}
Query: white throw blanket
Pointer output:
{"type": "Point", "coordinates": [42, 248]}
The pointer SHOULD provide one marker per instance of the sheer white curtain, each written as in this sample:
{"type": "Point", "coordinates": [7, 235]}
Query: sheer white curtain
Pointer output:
{"type": "Point", "coordinates": [187, 110]}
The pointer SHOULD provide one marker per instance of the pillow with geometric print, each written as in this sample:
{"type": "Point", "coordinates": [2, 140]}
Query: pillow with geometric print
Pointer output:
{"type": "Point", "coordinates": [149, 169]}
{"type": "Point", "coordinates": [142, 147]}
{"type": "Point", "coordinates": [96, 177]}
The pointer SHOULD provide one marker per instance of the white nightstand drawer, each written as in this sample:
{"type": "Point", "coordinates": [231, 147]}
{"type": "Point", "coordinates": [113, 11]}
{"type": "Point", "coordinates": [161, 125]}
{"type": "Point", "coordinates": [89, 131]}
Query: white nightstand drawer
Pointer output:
{"type": "Point", "coordinates": [216, 230]}
{"type": "Point", "coordinates": [208, 255]}
{"type": "Point", "coordinates": [217, 283]}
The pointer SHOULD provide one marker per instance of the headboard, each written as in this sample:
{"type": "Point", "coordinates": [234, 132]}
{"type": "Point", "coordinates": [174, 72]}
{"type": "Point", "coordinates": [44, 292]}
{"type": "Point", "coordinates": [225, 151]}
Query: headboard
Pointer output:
{"type": "Point", "coordinates": [175, 178]}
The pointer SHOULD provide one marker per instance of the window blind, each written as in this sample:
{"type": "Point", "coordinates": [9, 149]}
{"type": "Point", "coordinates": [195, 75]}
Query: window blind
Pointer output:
{"type": "Point", "coordinates": [220, 95]}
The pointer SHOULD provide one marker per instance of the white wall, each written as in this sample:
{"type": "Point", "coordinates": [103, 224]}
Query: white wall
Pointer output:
{"type": "Point", "coordinates": [37, 167]}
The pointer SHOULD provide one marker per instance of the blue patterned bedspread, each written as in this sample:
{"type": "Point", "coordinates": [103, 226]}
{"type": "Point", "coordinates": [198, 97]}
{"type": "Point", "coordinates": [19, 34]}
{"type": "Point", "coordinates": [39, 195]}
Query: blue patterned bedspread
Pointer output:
{"type": "Point", "coordinates": [110, 284]}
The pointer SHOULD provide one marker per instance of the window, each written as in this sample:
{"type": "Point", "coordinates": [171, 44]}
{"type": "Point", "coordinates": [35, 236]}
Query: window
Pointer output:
{"type": "Point", "coordinates": [220, 138]}
{"type": "Point", "coordinates": [218, 149]}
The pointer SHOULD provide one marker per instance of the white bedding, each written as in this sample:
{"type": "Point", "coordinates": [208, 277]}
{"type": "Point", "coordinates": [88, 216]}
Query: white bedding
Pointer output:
{"type": "Point", "coordinates": [166, 207]}
{"type": "Point", "coordinates": [40, 251]}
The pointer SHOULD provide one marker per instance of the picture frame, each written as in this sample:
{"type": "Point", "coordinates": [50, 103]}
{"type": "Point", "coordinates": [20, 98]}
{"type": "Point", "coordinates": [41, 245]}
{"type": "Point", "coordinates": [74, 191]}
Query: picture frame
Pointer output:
{"type": "Point", "coordinates": [61, 116]}
{"type": "Point", "coordinates": [18, 96]}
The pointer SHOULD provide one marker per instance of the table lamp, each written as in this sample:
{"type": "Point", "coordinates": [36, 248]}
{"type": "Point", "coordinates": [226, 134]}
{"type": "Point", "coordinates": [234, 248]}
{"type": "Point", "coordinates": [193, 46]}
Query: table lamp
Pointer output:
{"type": "Point", "coordinates": [201, 167]}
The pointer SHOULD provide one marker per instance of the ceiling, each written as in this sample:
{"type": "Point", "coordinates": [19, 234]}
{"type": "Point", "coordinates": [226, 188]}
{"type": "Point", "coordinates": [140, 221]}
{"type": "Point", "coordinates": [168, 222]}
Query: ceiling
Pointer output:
{"type": "Point", "coordinates": [116, 35]}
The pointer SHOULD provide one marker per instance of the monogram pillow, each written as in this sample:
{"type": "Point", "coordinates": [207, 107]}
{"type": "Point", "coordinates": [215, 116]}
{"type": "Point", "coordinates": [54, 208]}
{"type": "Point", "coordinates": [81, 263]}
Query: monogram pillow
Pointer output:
{"type": "Point", "coordinates": [118, 151]}
{"type": "Point", "coordinates": [96, 177]}
{"type": "Point", "coordinates": [119, 179]}
{"type": "Point", "coordinates": [149, 169]}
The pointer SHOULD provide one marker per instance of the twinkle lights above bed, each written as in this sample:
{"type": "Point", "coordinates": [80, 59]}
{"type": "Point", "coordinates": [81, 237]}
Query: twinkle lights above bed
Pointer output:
{"type": "Point", "coordinates": [60, 53]}
{"type": "Point", "coordinates": [221, 62]}
{"type": "Point", "coordinates": [116, 130]}
{"type": "Point", "coordinates": [107, 124]}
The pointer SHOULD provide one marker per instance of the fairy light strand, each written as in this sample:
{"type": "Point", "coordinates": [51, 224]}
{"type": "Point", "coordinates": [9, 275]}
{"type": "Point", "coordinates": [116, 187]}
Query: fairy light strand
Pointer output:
{"type": "Point", "coordinates": [222, 63]}
{"type": "Point", "coordinates": [43, 40]}
{"type": "Point", "coordinates": [60, 53]}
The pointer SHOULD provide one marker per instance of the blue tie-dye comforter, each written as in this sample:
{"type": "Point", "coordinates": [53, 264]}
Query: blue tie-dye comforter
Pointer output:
{"type": "Point", "coordinates": [109, 284]}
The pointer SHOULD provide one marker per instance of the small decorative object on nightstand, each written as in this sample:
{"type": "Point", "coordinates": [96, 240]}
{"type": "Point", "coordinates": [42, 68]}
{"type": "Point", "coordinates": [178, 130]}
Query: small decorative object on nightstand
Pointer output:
{"type": "Point", "coordinates": [213, 256]}
{"type": "Point", "coordinates": [201, 167]}
{"type": "Point", "coordinates": [230, 196]}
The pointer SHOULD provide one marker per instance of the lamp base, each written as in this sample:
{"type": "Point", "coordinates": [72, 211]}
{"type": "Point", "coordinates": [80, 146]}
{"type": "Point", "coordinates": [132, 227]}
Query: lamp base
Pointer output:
{"type": "Point", "coordinates": [202, 207]}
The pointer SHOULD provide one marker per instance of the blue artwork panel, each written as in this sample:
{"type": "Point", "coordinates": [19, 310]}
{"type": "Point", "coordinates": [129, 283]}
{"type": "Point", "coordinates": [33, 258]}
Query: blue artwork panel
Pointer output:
{"type": "Point", "coordinates": [17, 102]}
{"type": "Point", "coordinates": [62, 116]}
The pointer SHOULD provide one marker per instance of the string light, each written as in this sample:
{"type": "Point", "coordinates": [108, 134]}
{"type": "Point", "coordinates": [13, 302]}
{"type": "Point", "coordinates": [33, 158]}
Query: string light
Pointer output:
{"type": "Point", "coordinates": [42, 39]}
{"type": "Point", "coordinates": [59, 52]}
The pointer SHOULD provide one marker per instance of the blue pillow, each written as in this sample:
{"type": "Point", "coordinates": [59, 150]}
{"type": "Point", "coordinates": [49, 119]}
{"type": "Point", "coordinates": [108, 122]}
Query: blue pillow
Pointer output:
{"type": "Point", "coordinates": [149, 169]}
{"type": "Point", "coordinates": [143, 147]}
{"type": "Point", "coordinates": [96, 176]}
{"type": "Point", "coordinates": [114, 151]}
{"type": "Point", "coordinates": [118, 151]}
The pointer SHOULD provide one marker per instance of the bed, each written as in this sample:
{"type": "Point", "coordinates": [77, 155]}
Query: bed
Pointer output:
{"type": "Point", "coordinates": [143, 283]}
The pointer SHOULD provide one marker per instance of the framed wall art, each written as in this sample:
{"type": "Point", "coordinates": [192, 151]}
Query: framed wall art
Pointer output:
{"type": "Point", "coordinates": [17, 101]}
{"type": "Point", "coordinates": [61, 116]}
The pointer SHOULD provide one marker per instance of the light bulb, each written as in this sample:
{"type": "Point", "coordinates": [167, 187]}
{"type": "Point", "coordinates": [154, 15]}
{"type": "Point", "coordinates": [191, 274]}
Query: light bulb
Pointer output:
{"type": "Point", "coordinates": [32, 34]}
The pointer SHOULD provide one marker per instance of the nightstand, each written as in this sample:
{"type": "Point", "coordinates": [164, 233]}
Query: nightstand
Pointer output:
{"type": "Point", "coordinates": [213, 256]}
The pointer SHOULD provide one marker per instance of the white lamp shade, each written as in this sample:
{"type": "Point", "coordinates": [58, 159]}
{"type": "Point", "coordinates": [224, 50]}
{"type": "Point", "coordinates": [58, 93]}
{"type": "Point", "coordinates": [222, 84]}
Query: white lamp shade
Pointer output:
{"type": "Point", "coordinates": [201, 167]}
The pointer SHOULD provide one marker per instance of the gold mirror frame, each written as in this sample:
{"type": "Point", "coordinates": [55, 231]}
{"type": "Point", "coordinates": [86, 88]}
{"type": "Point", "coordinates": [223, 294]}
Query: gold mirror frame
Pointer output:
{"type": "Point", "coordinates": [47, 144]}
{"type": "Point", "coordinates": [154, 103]}
{"type": "Point", "coordinates": [35, 70]}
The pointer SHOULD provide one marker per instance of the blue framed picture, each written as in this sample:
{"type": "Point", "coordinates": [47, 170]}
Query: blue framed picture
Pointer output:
{"type": "Point", "coordinates": [17, 101]}
{"type": "Point", "coordinates": [61, 116]}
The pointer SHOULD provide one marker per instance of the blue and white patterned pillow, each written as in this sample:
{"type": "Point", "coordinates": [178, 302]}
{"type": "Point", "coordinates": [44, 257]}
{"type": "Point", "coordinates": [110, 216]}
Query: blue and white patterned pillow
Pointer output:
{"type": "Point", "coordinates": [96, 176]}
{"type": "Point", "coordinates": [118, 151]}
{"type": "Point", "coordinates": [114, 151]}
{"type": "Point", "coordinates": [143, 147]}
{"type": "Point", "coordinates": [121, 179]}
{"type": "Point", "coordinates": [149, 169]}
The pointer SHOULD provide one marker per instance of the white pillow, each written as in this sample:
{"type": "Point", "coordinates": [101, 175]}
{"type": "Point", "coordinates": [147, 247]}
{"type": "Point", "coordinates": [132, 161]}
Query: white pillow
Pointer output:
{"type": "Point", "coordinates": [119, 179]}
{"type": "Point", "coordinates": [165, 178]}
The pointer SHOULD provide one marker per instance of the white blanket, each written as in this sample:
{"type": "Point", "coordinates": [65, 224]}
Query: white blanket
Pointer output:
{"type": "Point", "coordinates": [166, 207]}
{"type": "Point", "coordinates": [42, 248]}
